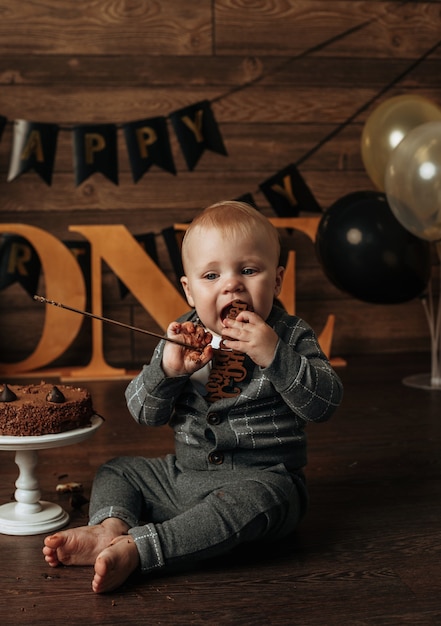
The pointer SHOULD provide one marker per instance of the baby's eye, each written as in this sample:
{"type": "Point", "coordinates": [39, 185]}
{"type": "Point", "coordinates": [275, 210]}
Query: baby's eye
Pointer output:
{"type": "Point", "coordinates": [210, 276]}
{"type": "Point", "coordinates": [248, 271]}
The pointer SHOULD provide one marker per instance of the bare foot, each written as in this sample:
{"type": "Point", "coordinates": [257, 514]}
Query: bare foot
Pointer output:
{"type": "Point", "coordinates": [81, 546]}
{"type": "Point", "coordinates": [115, 564]}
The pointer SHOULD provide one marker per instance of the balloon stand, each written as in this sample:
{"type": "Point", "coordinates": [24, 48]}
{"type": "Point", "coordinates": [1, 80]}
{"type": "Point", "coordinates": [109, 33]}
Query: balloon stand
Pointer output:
{"type": "Point", "coordinates": [431, 381]}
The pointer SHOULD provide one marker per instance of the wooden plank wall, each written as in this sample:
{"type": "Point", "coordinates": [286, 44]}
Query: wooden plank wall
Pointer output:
{"type": "Point", "coordinates": [282, 76]}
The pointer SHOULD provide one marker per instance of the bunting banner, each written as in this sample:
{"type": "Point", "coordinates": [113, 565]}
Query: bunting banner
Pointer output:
{"type": "Point", "coordinates": [288, 193]}
{"type": "Point", "coordinates": [197, 131]}
{"type": "Point", "coordinates": [148, 243]}
{"type": "Point", "coordinates": [95, 146]}
{"type": "Point", "coordinates": [148, 144]}
{"type": "Point", "coordinates": [33, 147]}
{"type": "Point", "coordinates": [95, 150]}
{"type": "Point", "coordinates": [19, 263]}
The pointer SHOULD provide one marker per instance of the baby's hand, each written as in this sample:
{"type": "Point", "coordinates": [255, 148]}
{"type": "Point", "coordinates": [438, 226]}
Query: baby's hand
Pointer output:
{"type": "Point", "coordinates": [177, 360]}
{"type": "Point", "coordinates": [250, 334]}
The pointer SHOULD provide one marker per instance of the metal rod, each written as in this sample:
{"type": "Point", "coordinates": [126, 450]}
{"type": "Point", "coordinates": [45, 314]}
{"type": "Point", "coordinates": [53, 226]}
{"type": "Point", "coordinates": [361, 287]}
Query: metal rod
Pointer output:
{"type": "Point", "coordinates": [116, 323]}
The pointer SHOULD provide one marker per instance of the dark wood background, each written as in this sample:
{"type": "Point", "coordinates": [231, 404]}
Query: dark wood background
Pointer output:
{"type": "Point", "coordinates": [282, 76]}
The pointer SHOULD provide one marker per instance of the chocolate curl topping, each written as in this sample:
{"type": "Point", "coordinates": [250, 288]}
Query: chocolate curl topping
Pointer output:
{"type": "Point", "coordinates": [7, 395]}
{"type": "Point", "coordinates": [55, 395]}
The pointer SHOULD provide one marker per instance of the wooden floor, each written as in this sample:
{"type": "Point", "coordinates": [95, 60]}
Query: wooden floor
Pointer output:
{"type": "Point", "coordinates": [368, 552]}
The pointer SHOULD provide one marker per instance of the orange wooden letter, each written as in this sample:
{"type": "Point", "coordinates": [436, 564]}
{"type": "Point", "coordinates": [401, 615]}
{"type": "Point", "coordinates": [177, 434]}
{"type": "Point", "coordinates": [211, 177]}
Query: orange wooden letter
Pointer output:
{"type": "Point", "coordinates": [64, 283]}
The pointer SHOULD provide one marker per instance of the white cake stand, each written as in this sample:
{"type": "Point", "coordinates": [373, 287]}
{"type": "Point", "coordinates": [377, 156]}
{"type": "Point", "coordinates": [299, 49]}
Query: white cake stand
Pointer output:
{"type": "Point", "coordinates": [29, 515]}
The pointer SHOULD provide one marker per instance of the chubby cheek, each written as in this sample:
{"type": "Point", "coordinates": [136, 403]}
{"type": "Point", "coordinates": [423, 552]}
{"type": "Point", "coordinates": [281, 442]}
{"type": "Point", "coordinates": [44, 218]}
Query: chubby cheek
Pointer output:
{"type": "Point", "coordinates": [263, 303]}
{"type": "Point", "coordinates": [206, 310]}
{"type": "Point", "coordinates": [211, 321]}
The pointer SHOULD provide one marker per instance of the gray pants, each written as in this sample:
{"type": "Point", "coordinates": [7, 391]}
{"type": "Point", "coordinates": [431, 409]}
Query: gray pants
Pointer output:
{"type": "Point", "coordinates": [179, 517]}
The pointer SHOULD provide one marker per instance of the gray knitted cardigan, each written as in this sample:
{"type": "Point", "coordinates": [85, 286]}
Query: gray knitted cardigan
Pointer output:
{"type": "Point", "coordinates": [261, 427]}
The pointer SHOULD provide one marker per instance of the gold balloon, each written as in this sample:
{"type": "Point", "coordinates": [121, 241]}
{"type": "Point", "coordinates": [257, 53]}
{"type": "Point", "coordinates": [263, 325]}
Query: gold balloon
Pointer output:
{"type": "Point", "coordinates": [387, 126]}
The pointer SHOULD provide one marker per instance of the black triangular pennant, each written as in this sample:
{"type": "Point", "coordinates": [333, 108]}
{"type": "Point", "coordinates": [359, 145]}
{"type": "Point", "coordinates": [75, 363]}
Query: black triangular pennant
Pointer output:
{"type": "Point", "coordinates": [33, 147]}
{"type": "Point", "coordinates": [174, 251]}
{"type": "Point", "coordinates": [288, 193]}
{"type": "Point", "coordinates": [95, 150]}
{"type": "Point", "coordinates": [148, 144]}
{"type": "Point", "coordinates": [19, 263]}
{"type": "Point", "coordinates": [248, 199]}
{"type": "Point", "coordinates": [197, 131]}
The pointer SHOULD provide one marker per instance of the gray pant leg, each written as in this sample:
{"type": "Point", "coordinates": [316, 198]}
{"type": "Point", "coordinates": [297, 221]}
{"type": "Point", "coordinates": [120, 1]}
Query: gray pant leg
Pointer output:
{"type": "Point", "coordinates": [193, 515]}
{"type": "Point", "coordinates": [237, 512]}
{"type": "Point", "coordinates": [134, 489]}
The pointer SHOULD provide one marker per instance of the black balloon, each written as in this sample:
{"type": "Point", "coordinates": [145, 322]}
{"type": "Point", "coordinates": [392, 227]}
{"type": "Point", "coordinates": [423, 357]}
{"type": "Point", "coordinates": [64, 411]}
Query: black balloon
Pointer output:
{"type": "Point", "coordinates": [367, 253]}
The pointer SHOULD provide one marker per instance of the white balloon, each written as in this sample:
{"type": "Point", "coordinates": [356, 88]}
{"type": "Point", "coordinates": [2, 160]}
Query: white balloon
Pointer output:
{"type": "Point", "coordinates": [413, 181]}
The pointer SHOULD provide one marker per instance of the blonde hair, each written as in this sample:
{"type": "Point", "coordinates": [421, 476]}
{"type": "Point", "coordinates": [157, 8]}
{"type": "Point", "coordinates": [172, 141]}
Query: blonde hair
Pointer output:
{"type": "Point", "coordinates": [232, 217]}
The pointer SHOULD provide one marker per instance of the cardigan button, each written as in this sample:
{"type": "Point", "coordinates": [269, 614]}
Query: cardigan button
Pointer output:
{"type": "Point", "coordinates": [214, 419]}
{"type": "Point", "coordinates": [216, 458]}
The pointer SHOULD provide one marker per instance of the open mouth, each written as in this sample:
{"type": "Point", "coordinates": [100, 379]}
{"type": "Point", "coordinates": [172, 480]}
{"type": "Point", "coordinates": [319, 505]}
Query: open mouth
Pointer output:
{"type": "Point", "coordinates": [233, 309]}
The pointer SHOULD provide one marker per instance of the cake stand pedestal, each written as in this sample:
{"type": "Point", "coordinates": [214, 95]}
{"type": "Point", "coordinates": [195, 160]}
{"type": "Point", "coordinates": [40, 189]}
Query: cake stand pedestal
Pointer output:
{"type": "Point", "coordinates": [28, 515]}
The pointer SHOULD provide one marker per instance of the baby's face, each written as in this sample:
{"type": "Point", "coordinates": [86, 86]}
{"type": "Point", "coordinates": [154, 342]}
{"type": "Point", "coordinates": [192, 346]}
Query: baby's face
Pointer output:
{"type": "Point", "coordinates": [220, 269]}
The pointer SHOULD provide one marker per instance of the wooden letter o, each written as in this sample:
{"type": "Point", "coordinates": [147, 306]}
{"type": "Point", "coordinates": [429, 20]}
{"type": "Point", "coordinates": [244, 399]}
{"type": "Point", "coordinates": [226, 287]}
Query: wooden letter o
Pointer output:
{"type": "Point", "coordinates": [64, 283]}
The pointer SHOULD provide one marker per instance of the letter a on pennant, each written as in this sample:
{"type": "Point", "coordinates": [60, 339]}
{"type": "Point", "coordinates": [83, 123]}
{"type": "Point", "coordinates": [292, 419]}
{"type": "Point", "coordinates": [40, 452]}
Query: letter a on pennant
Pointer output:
{"type": "Point", "coordinates": [33, 147]}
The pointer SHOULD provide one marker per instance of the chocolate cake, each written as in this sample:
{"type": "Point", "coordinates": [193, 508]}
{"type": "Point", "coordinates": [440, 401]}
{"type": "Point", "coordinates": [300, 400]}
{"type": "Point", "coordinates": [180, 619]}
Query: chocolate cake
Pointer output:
{"type": "Point", "coordinates": [43, 409]}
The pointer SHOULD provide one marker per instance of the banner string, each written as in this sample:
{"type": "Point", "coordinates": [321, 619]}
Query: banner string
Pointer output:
{"type": "Point", "coordinates": [368, 103]}
{"type": "Point", "coordinates": [279, 68]}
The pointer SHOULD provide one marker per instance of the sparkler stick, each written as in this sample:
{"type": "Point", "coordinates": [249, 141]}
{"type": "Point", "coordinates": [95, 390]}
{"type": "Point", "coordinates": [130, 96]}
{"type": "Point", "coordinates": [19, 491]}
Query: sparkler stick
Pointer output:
{"type": "Point", "coordinates": [116, 323]}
